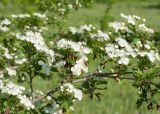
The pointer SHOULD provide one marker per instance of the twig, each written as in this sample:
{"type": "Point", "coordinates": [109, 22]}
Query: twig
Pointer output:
{"type": "Point", "coordinates": [30, 73]}
{"type": "Point", "coordinates": [107, 75]}
{"type": "Point", "coordinates": [30, 84]}
{"type": "Point", "coordinates": [47, 94]}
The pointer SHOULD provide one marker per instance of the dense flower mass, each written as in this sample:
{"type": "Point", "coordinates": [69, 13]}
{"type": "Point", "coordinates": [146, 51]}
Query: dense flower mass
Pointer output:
{"type": "Point", "coordinates": [130, 19]}
{"type": "Point", "coordinates": [124, 50]}
{"type": "Point", "coordinates": [6, 22]}
{"type": "Point", "coordinates": [134, 20]}
{"type": "Point", "coordinates": [143, 28]}
{"type": "Point", "coordinates": [98, 35]}
{"type": "Point", "coordinates": [11, 71]}
{"type": "Point", "coordinates": [6, 53]}
{"type": "Point", "coordinates": [79, 47]}
{"type": "Point", "coordinates": [23, 16]}
{"type": "Point", "coordinates": [118, 26]}
{"type": "Point", "coordinates": [16, 90]}
{"type": "Point", "coordinates": [80, 66]}
{"type": "Point", "coordinates": [75, 46]}
{"type": "Point", "coordinates": [4, 25]}
{"type": "Point", "coordinates": [123, 53]}
{"type": "Point", "coordinates": [37, 40]}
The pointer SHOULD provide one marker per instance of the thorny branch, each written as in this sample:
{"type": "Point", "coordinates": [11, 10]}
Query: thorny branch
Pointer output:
{"type": "Point", "coordinates": [85, 78]}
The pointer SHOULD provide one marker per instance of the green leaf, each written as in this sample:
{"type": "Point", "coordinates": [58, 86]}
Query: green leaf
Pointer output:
{"type": "Point", "coordinates": [151, 72]}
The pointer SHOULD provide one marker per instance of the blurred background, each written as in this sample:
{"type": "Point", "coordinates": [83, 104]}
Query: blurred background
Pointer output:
{"type": "Point", "coordinates": [118, 98]}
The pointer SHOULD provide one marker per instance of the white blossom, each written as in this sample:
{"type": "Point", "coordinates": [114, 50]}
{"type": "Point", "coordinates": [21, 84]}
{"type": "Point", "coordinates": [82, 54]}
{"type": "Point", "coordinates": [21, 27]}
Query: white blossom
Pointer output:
{"type": "Point", "coordinates": [75, 46]}
{"type": "Point", "coordinates": [118, 26]}
{"type": "Point", "coordinates": [123, 60]}
{"type": "Point", "coordinates": [20, 61]}
{"type": "Point", "coordinates": [60, 63]}
{"type": "Point", "coordinates": [39, 15]}
{"type": "Point", "coordinates": [11, 71]}
{"type": "Point", "coordinates": [37, 40]}
{"type": "Point", "coordinates": [78, 94]}
{"type": "Point", "coordinates": [4, 28]}
{"type": "Point", "coordinates": [71, 89]}
{"type": "Point", "coordinates": [85, 28]}
{"type": "Point", "coordinates": [139, 44]}
{"type": "Point", "coordinates": [26, 102]}
{"type": "Point", "coordinates": [6, 22]}
{"type": "Point", "coordinates": [1, 84]}
{"type": "Point", "coordinates": [73, 30]}
{"type": "Point", "coordinates": [12, 89]}
{"type": "Point", "coordinates": [21, 16]}
{"type": "Point", "coordinates": [142, 27]}
{"type": "Point", "coordinates": [6, 54]}
{"type": "Point", "coordinates": [15, 90]}
{"type": "Point", "coordinates": [80, 66]}
{"type": "Point", "coordinates": [81, 29]}
{"type": "Point", "coordinates": [151, 56]}
{"type": "Point", "coordinates": [147, 46]}
{"type": "Point", "coordinates": [100, 36]}
{"type": "Point", "coordinates": [130, 19]}
{"type": "Point", "coordinates": [49, 98]}
{"type": "Point", "coordinates": [1, 75]}
{"type": "Point", "coordinates": [70, 6]}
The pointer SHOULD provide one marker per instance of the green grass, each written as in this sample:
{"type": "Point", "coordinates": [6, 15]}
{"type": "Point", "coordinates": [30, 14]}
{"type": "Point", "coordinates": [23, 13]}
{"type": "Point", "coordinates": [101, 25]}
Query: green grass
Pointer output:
{"type": "Point", "coordinates": [118, 98]}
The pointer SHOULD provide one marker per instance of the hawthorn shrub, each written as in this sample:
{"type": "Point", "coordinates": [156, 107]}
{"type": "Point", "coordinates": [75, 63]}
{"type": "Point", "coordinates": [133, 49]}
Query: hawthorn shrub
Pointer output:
{"type": "Point", "coordinates": [128, 51]}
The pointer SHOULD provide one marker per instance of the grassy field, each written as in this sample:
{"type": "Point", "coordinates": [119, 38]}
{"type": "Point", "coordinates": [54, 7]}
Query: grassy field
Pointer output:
{"type": "Point", "coordinates": [118, 98]}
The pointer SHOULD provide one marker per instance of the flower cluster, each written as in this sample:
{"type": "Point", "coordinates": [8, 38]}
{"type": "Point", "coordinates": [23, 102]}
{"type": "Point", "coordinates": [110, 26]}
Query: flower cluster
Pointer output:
{"type": "Point", "coordinates": [6, 53]}
{"type": "Point", "coordinates": [79, 47]}
{"type": "Point", "coordinates": [63, 9]}
{"type": "Point", "coordinates": [130, 19]}
{"type": "Point", "coordinates": [71, 89]}
{"type": "Point", "coordinates": [123, 53]}
{"type": "Point", "coordinates": [100, 36]}
{"type": "Point", "coordinates": [143, 28]}
{"type": "Point", "coordinates": [36, 14]}
{"type": "Point", "coordinates": [123, 50]}
{"type": "Point", "coordinates": [93, 33]}
{"type": "Point", "coordinates": [81, 29]}
{"type": "Point", "coordinates": [15, 90]}
{"type": "Point", "coordinates": [11, 71]}
{"type": "Point", "coordinates": [20, 61]}
{"type": "Point", "coordinates": [118, 26]}
{"type": "Point", "coordinates": [37, 40]}
{"type": "Point", "coordinates": [134, 20]}
{"type": "Point", "coordinates": [4, 25]}
{"type": "Point", "coordinates": [80, 66]}
{"type": "Point", "coordinates": [75, 46]}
